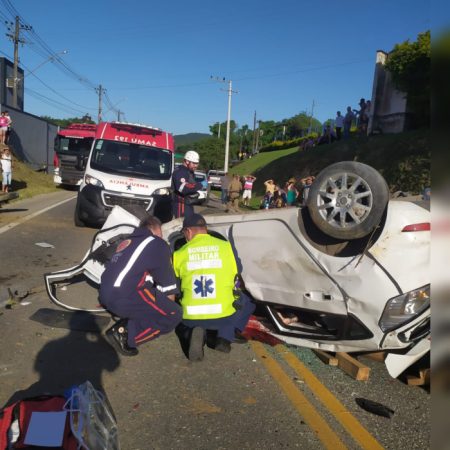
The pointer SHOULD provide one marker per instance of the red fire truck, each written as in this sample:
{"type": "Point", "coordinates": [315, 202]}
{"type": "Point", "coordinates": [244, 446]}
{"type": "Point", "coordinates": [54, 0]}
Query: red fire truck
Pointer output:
{"type": "Point", "coordinates": [72, 147]}
{"type": "Point", "coordinates": [129, 164]}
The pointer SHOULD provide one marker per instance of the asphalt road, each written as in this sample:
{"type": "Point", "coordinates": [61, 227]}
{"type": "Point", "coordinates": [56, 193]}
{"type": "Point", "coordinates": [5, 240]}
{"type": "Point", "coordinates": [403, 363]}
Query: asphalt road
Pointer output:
{"type": "Point", "coordinates": [256, 397]}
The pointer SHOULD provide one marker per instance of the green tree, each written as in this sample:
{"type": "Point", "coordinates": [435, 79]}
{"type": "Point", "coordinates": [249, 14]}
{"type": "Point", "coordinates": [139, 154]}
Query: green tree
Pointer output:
{"type": "Point", "coordinates": [410, 66]}
{"type": "Point", "coordinates": [298, 125]}
{"type": "Point", "coordinates": [212, 152]}
{"type": "Point", "coordinates": [214, 129]}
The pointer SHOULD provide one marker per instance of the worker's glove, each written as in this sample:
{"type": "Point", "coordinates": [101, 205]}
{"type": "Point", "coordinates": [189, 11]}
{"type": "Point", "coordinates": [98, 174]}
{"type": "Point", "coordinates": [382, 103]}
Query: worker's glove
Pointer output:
{"type": "Point", "coordinates": [237, 305]}
{"type": "Point", "coordinates": [204, 184]}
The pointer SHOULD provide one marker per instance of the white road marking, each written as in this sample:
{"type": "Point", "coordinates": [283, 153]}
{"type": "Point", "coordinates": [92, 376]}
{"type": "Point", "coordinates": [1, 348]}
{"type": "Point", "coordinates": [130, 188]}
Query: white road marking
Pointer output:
{"type": "Point", "coordinates": [12, 225]}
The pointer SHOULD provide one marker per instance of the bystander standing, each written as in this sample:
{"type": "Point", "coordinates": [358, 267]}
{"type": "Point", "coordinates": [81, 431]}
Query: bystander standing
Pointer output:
{"type": "Point", "coordinates": [234, 193]}
{"type": "Point", "coordinates": [8, 127]}
{"type": "Point", "coordinates": [224, 186]}
{"type": "Point", "coordinates": [6, 163]}
{"type": "Point", "coordinates": [348, 120]}
{"type": "Point", "coordinates": [3, 127]}
{"type": "Point", "coordinates": [248, 186]}
{"type": "Point", "coordinates": [291, 192]}
{"type": "Point", "coordinates": [339, 123]}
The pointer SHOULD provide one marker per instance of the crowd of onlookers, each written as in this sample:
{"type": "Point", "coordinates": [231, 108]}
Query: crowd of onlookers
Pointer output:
{"type": "Point", "coordinates": [342, 126]}
{"type": "Point", "coordinates": [237, 190]}
{"type": "Point", "coordinates": [292, 193]}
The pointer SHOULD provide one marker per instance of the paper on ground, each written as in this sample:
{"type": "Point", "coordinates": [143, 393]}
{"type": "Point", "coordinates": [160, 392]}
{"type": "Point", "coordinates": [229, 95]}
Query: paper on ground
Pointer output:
{"type": "Point", "coordinates": [46, 429]}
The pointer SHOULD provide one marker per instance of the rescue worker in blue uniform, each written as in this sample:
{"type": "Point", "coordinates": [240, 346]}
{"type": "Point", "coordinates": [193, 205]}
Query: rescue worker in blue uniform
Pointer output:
{"type": "Point", "coordinates": [185, 188]}
{"type": "Point", "coordinates": [139, 286]}
{"type": "Point", "coordinates": [208, 274]}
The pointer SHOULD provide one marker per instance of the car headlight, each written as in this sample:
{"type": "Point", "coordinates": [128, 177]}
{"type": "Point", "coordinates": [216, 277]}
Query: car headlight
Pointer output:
{"type": "Point", "coordinates": [404, 307]}
{"type": "Point", "coordinates": [162, 191]}
{"type": "Point", "coordinates": [88, 179]}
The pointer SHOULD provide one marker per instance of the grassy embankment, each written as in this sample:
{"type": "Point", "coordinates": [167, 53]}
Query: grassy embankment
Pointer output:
{"type": "Point", "coordinates": [403, 159]}
{"type": "Point", "coordinates": [28, 183]}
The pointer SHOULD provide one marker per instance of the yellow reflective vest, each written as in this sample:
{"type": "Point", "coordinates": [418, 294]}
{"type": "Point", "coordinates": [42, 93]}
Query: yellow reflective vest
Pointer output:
{"type": "Point", "coordinates": [207, 268]}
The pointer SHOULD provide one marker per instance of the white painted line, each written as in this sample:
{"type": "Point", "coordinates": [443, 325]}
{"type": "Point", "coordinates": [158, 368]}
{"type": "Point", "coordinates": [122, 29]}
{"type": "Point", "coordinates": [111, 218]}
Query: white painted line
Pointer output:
{"type": "Point", "coordinates": [32, 216]}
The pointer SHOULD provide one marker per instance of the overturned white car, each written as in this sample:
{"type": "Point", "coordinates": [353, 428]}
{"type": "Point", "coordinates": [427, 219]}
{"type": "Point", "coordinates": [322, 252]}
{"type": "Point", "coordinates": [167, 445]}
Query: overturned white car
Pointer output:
{"type": "Point", "coordinates": [349, 272]}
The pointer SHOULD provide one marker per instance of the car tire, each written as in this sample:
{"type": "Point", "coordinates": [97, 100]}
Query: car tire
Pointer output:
{"type": "Point", "coordinates": [76, 217]}
{"type": "Point", "coordinates": [347, 200]}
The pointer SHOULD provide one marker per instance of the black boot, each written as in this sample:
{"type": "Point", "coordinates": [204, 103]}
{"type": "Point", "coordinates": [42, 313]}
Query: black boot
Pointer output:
{"type": "Point", "coordinates": [222, 345]}
{"type": "Point", "coordinates": [196, 343]}
{"type": "Point", "coordinates": [117, 336]}
{"type": "Point", "coordinates": [239, 338]}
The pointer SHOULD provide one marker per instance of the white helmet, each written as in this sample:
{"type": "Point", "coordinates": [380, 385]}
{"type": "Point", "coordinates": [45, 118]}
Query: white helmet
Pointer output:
{"type": "Point", "coordinates": [192, 156]}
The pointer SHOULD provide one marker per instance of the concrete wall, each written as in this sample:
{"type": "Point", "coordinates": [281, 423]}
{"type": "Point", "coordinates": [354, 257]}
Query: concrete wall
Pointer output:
{"type": "Point", "coordinates": [32, 138]}
{"type": "Point", "coordinates": [389, 106]}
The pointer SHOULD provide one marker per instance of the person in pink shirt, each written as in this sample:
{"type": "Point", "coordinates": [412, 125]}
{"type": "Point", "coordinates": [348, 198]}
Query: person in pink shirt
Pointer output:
{"type": "Point", "coordinates": [248, 186]}
{"type": "Point", "coordinates": [3, 126]}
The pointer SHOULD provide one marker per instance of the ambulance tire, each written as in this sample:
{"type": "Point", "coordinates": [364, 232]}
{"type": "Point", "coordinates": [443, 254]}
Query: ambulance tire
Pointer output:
{"type": "Point", "coordinates": [76, 217]}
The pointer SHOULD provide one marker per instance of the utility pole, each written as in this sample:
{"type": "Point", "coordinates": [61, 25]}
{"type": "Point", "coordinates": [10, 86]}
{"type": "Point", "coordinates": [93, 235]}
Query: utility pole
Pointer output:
{"type": "Point", "coordinates": [15, 38]}
{"type": "Point", "coordinates": [311, 118]}
{"type": "Point", "coordinates": [100, 91]}
{"type": "Point", "coordinates": [119, 113]}
{"type": "Point", "coordinates": [257, 136]}
{"type": "Point", "coordinates": [227, 140]}
{"type": "Point", "coordinates": [254, 134]}
{"type": "Point", "coordinates": [218, 133]}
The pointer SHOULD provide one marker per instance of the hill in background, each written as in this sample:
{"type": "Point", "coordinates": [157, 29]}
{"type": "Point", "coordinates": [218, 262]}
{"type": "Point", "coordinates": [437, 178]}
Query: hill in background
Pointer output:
{"type": "Point", "coordinates": [186, 139]}
{"type": "Point", "coordinates": [403, 159]}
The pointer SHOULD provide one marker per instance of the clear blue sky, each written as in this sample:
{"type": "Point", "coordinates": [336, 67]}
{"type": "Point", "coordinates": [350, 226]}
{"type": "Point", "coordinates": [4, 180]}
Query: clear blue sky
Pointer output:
{"type": "Point", "coordinates": [155, 58]}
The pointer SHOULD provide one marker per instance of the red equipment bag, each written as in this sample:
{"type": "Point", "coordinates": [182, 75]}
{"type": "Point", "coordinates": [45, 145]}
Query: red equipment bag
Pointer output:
{"type": "Point", "coordinates": [22, 411]}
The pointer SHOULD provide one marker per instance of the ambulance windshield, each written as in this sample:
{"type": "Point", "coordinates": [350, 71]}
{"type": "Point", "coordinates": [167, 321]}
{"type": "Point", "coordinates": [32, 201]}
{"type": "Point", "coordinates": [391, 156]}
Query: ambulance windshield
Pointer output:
{"type": "Point", "coordinates": [132, 160]}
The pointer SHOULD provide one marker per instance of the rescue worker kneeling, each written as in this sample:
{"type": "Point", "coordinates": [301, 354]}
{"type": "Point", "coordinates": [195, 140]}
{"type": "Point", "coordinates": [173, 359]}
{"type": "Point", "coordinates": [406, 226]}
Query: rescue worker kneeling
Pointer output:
{"type": "Point", "coordinates": [139, 286]}
{"type": "Point", "coordinates": [207, 270]}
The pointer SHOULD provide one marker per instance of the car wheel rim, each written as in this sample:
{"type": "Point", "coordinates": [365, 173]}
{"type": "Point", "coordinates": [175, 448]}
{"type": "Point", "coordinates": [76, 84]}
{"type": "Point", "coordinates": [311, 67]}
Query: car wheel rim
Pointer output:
{"type": "Point", "coordinates": [344, 200]}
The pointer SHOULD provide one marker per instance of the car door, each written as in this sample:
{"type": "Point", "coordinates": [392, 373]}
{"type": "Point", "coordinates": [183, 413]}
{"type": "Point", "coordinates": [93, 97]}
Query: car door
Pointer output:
{"type": "Point", "coordinates": [278, 269]}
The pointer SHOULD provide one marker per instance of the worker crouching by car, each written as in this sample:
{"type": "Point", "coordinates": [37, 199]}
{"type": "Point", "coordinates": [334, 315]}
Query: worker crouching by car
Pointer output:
{"type": "Point", "coordinates": [139, 286]}
{"type": "Point", "coordinates": [207, 270]}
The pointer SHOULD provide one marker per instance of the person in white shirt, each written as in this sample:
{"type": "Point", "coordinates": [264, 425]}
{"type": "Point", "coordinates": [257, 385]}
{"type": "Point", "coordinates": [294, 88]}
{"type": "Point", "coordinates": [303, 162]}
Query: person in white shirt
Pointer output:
{"type": "Point", "coordinates": [6, 162]}
{"type": "Point", "coordinates": [338, 124]}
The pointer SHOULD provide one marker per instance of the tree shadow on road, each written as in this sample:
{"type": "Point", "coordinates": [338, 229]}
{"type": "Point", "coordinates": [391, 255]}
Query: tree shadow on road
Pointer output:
{"type": "Point", "coordinates": [71, 360]}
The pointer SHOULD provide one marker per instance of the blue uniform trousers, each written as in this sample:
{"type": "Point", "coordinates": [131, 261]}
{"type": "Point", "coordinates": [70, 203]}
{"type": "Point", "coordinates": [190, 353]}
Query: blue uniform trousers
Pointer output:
{"type": "Point", "coordinates": [226, 326]}
{"type": "Point", "coordinates": [181, 209]}
{"type": "Point", "coordinates": [150, 313]}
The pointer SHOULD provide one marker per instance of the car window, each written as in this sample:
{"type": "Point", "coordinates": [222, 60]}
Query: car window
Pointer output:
{"type": "Point", "coordinates": [216, 173]}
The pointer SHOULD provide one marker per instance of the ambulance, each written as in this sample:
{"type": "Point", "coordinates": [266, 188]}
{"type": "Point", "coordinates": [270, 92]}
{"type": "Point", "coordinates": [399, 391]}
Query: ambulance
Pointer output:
{"type": "Point", "coordinates": [129, 164]}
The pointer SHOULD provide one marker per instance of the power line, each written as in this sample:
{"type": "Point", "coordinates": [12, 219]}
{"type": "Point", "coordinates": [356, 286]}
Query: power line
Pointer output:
{"type": "Point", "coordinates": [329, 66]}
{"type": "Point", "coordinates": [256, 77]}
{"type": "Point", "coordinates": [60, 95]}
{"type": "Point", "coordinates": [52, 102]}
{"type": "Point", "coordinates": [39, 46]}
{"type": "Point", "coordinates": [50, 88]}
{"type": "Point", "coordinates": [44, 49]}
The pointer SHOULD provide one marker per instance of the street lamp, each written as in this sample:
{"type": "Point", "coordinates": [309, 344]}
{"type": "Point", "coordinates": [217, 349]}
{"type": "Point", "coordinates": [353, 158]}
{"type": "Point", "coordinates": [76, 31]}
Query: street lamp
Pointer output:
{"type": "Point", "coordinates": [51, 58]}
